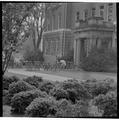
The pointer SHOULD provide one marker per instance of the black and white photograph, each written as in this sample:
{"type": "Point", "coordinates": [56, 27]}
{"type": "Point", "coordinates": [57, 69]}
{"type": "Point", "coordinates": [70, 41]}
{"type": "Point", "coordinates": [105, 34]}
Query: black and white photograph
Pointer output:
{"type": "Point", "coordinates": [59, 59]}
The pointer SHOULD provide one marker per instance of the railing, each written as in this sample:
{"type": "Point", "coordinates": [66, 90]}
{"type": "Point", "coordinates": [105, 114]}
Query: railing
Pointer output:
{"type": "Point", "coordinates": [36, 65]}
{"type": "Point", "coordinates": [93, 22]}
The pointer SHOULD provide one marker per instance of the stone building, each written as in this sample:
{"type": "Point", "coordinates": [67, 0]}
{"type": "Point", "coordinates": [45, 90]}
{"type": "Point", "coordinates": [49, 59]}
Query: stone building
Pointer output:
{"type": "Point", "coordinates": [78, 27]}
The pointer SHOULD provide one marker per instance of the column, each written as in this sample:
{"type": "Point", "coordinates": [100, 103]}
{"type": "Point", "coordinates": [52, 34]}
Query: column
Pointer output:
{"type": "Point", "coordinates": [75, 51]}
{"type": "Point", "coordinates": [78, 52]}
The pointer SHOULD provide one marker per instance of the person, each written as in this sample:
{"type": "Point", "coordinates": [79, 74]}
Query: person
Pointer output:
{"type": "Point", "coordinates": [63, 63]}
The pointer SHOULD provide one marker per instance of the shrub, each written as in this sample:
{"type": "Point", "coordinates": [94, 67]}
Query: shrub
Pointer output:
{"type": "Point", "coordinates": [5, 92]}
{"type": "Point", "coordinates": [107, 103]}
{"type": "Point", "coordinates": [94, 111]}
{"type": "Point", "coordinates": [75, 90]}
{"type": "Point", "coordinates": [34, 80]}
{"type": "Point", "coordinates": [59, 93]}
{"type": "Point", "coordinates": [71, 90]}
{"type": "Point", "coordinates": [66, 109]}
{"type": "Point", "coordinates": [21, 100]}
{"type": "Point", "coordinates": [63, 104]}
{"type": "Point", "coordinates": [46, 86]}
{"type": "Point", "coordinates": [19, 87]}
{"type": "Point", "coordinates": [41, 107]}
{"type": "Point", "coordinates": [34, 55]}
{"type": "Point", "coordinates": [99, 60]}
{"type": "Point", "coordinates": [6, 97]}
{"type": "Point", "coordinates": [99, 87]}
{"type": "Point", "coordinates": [8, 80]}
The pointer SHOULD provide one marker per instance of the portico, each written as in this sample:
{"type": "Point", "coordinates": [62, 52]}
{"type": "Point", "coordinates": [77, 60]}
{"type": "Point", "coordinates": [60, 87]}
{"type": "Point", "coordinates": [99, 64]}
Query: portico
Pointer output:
{"type": "Point", "coordinates": [89, 34]}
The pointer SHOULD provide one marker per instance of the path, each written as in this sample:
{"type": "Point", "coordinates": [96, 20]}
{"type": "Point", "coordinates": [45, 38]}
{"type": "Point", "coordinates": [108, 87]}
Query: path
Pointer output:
{"type": "Point", "coordinates": [64, 75]}
{"type": "Point", "coordinates": [44, 76]}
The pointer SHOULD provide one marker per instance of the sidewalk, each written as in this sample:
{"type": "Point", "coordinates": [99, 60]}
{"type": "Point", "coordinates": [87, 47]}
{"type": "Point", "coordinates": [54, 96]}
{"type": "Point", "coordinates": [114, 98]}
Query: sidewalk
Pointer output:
{"type": "Point", "coordinates": [44, 76]}
{"type": "Point", "coordinates": [64, 75]}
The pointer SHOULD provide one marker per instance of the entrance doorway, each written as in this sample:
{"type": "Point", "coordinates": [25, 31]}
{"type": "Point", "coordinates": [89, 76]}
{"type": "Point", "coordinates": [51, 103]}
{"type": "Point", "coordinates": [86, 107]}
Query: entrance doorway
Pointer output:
{"type": "Point", "coordinates": [82, 49]}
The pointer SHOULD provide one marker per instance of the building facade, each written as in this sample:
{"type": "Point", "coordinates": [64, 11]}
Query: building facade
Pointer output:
{"type": "Point", "coordinates": [67, 23]}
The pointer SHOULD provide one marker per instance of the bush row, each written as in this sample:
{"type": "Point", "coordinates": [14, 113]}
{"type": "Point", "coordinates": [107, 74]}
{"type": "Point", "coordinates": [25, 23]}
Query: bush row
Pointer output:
{"type": "Point", "coordinates": [39, 98]}
{"type": "Point", "coordinates": [100, 60]}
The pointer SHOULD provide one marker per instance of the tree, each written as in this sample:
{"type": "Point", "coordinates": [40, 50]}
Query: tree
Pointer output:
{"type": "Point", "coordinates": [14, 28]}
{"type": "Point", "coordinates": [19, 22]}
{"type": "Point", "coordinates": [37, 22]}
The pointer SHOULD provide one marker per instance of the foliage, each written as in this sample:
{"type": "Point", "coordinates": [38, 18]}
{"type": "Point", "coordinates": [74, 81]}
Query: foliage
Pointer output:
{"type": "Point", "coordinates": [71, 90]}
{"type": "Point", "coordinates": [68, 57]}
{"type": "Point", "coordinates": [75, 90]}
{"type": "Point", "coordinates": [99, 60]}
{"type": "Point", "coordinates": [14, 28]}
{"type": "Point", "coordinates": [107, 103]}
{"type": "Point", "coordinates": [71, 98]}
{"type": "Point", "coordinates": [46, 86]}
{"type": "Point", "coordinates": [99, 87]}
{"type": "Point", "coordinates": [67, 110]}
{"type": "Point", "coordinates": [8, 80]}
{"type": "Point", "coordinates": [21, 100]}
{"type": "Point", "coordinates": [33, 55]}
{"type": "Point", "coordinates": [41, 107]}
{"type": "Point", "coordinates": [34, 80]}
{"type": "Point", "coordinates": [6, 97]}
{"type": "Point", "coordinates": [19, 87]}
{"type": "Point", "coordinates": [59, 93]}
{"type": "Point", "coordinates": [5, 92]}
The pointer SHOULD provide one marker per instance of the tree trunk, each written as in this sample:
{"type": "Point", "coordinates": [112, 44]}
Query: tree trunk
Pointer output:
{"type": "Point", "coordinates": [6, 62]}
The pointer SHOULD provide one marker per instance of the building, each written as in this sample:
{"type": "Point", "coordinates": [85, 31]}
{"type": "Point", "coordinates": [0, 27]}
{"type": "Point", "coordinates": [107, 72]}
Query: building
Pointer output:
{"type": "Point", "coordinates": [77, 26]}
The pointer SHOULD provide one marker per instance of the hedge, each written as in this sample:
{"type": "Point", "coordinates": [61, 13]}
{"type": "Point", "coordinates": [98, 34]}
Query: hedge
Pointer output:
{"type": "Point", "coordinates": [107, 103]}
{"type": "Point", "coordinates": [34, 80]}
{"type": "Point", "coordinates": [68, 110]}
{"type": "Point", "coordinates": [99, 60]}
{"type": "Point", "coordinates": [19, 87]}
{"type": "Point", "coordinates": [96, 87]}
{"type": "Point", "coordinates": [42, 107]}
{"type": "Point", "coordinates": [75, 90]}
{"type": "Point", "coordinates": [46, 86]}
{"type": "Point", "coordinates": [21, 100]}
{"type": "Point", "coordinates": [8, 80]}
{"type": "Point", "coordinates": [59, 93]}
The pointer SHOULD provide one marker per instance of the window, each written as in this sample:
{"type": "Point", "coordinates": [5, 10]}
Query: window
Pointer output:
{"type": "Point", "coordinates": [59, 21]}
{"type": "Point", "coordinates": [85, 14]}
{"type": "Point", "coordinates": [77, 16]}
{"type": "Point", "coordinates": [93, 12]}
{"type": "Point", "coordinates": [110, 11]}
{"type": "Point", "coordinates": [53, 23]}
{"type": "Point", "coordinates": [102, 11]}
{"type": "Point", "coordinates": [48, 24]}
